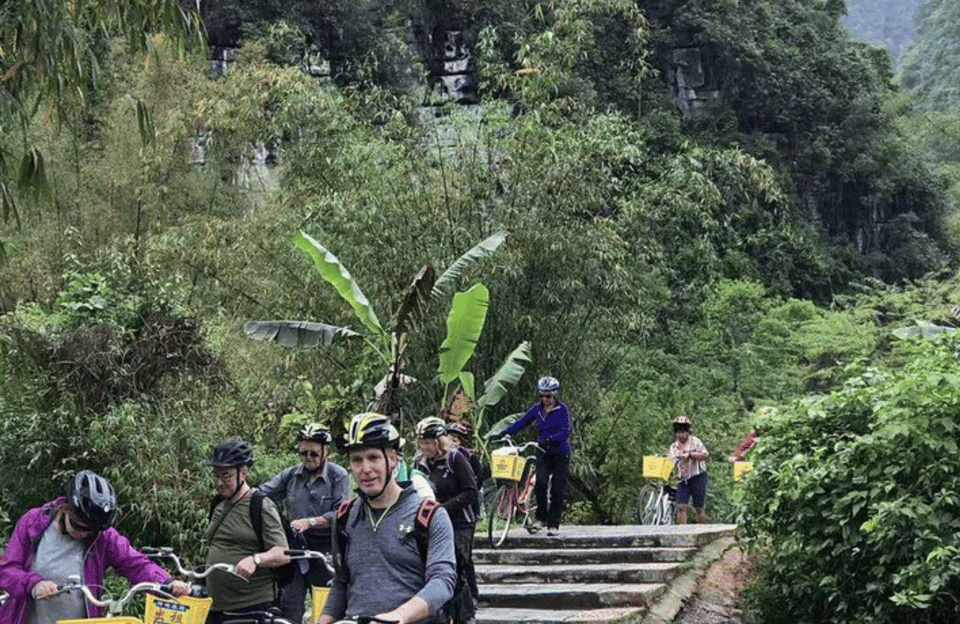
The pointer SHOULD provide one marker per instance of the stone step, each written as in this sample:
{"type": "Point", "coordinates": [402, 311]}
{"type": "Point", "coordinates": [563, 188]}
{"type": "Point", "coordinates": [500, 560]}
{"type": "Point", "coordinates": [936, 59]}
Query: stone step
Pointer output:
{"type": "Point", "coordinates": [547, 616]}
{"type": "Point", "coordinates": [578, 596]}
{"type": "Point", "coordinates": [572, 573]}
{"type": "Point", "coordinates": [619, 536]}
{"type": "Point", "coordinates": [538, 556]}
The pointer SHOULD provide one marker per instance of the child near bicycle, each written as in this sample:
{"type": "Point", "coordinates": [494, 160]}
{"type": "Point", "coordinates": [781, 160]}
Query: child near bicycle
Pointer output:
{"type": "Point", "coordinates": [689, 455]}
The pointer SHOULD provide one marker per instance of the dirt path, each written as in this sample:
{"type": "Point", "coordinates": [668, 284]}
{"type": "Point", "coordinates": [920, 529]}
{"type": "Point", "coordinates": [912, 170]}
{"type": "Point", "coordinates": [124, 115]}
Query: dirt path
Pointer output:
{"type": "Point", "coordinates": [718, 599]}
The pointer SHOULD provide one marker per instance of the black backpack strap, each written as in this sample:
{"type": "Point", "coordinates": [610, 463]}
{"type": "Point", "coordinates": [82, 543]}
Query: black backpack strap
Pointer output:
{"type": "Point", "coordinates": [343, 511]}
{"type": "Point", "coordinates": [421, 525]}
{"type": "Point", "coordinates": [256, 516]}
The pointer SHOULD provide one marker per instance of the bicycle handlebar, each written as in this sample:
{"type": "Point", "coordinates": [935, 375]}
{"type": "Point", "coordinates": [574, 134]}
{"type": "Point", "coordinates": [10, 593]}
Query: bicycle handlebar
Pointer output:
{"type": "Point", "coordinates": [312, 554]}
{"type": "Point", "coordinates": [199, 572]}
{"type": "Point", "coordinates": [115, 606]}
{"type": "Point", "coordinates": [508, 441]}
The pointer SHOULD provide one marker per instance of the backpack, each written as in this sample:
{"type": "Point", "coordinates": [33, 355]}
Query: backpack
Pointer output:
{"type": "Point", "coordinates": [471, 457]}
{"type": "Point", "coordinates": [295, 540]}
{"type": "Point", "coordinates": [421, 530]}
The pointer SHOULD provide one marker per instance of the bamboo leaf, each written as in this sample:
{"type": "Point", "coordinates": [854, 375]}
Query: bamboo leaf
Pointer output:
{"type": "Point", "coordinates": [448, 280]}
{"type": "Point", "coordinates": [339, 277]}
{"type": "Point", "coordinates": [509, 373]}
{"type": "Point", "coordinates": [464, 324]}
{"type": "Point", "coordinates": [296, 334]}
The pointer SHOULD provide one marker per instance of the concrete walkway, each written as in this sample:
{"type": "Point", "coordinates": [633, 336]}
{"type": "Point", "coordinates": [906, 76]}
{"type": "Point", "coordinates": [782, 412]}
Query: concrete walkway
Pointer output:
{"type": "Point", "coordinates": [599, 574]}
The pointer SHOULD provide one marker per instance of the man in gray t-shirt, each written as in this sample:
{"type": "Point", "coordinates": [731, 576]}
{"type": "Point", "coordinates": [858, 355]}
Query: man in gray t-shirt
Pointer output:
{"type": "Point", "coordinates": [382, 572]}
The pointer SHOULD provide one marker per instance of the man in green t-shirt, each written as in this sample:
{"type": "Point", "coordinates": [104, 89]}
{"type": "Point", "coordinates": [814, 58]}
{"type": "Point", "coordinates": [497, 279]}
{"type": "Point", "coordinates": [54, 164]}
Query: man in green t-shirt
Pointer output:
{"type": "Point", "coordinates": [231, 537]}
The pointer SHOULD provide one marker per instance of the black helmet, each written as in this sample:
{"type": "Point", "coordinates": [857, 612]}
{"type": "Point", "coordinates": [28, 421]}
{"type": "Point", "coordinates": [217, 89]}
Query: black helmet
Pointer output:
{"type": "Point", "coordinates": [231, 453]}
{"type": "Point", "coordinates": [461, 429]}
{"type": "Point", "coordinates": [92, 498]}
{"type": "Point", "coordinates": [372, 429]}
{"type": "Point", "coordinates": [314, 432]}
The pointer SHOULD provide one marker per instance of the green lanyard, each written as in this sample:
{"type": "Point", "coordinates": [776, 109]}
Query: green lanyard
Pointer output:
{"type": "Point", "coordinates": [376, 524]}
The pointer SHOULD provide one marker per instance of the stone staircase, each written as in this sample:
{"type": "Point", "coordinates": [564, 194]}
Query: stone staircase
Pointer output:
{"type": "Point", "coordinates": [598, 574]}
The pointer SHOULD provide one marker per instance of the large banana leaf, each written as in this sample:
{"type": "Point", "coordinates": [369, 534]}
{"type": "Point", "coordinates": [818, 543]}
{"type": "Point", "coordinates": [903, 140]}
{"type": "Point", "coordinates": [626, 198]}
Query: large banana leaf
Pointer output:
{"type": "Point", "coordinates": [923, 329]}
{"type": "Point", "coordinates": [448, 280]}
{"type": "Point", "coordinates": [509, 373]}
{"type": "Point", "coordinates": [296, 334]}
{"type": "Point", "coordinates": [415, 301]}
{"type": "Point", "coordinates": [464, 324]}
{"type": "Point", "coordinates": [331, 270]}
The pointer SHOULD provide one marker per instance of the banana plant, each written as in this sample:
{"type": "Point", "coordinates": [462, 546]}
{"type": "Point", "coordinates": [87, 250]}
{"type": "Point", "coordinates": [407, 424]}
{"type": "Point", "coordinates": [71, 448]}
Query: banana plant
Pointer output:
{"type": "Point", "coordinates": [464, 326]}
{"type": "Point", "coordinates": [390, 342]}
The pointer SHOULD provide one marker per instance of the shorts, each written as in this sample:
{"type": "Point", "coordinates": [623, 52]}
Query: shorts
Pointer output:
{"type": "Point", "coordinates": [696, 485]}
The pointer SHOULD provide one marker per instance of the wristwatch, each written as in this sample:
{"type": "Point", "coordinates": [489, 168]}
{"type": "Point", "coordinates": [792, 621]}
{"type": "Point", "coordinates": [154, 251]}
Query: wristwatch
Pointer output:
{"type": "Point", "coordinates": [256, 559]}
{"type": "Point", "coordinates": [313, 522]}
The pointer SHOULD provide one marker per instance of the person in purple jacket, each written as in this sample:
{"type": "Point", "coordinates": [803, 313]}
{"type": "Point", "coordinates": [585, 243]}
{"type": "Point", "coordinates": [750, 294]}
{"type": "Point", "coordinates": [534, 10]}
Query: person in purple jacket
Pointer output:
{"type": "Point", "coordinates": [553, 460]}
{"type": "Point", "coordinates": [70, 536]}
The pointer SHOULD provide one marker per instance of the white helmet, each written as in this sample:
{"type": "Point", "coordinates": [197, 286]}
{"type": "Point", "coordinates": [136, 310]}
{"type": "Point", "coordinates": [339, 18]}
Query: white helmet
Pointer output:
{"type": "Point", "coordinates": [548, 385]}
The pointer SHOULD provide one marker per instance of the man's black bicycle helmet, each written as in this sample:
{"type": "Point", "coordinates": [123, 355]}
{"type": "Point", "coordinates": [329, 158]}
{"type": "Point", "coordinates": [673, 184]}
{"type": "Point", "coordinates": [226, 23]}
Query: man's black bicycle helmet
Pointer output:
{"type": "Point", "coordinates": [232, 454]}
{"type": "Point", "coordinates": [92, 498]}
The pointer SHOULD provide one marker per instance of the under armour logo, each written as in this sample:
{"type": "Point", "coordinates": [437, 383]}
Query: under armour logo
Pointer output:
{"type": "Point", "coordinates": [404, 529]}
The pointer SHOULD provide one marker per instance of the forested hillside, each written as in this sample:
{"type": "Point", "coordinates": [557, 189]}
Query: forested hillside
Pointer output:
{"type": "Point", "coordinates": [929, 68]}
{"type": "Point", "coordinates": [885, 23]}
{"type": "Point", "coordinates": [715, 208]}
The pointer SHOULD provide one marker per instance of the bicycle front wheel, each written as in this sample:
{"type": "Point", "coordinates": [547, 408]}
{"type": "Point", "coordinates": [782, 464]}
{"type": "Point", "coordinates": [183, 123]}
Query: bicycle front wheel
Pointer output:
{"type": "Point", "coordinates": [501, 514]}
{"type": "Point", "coordinates": [647, 504]}
{"type": "Point", "coordinates": [664, 509]}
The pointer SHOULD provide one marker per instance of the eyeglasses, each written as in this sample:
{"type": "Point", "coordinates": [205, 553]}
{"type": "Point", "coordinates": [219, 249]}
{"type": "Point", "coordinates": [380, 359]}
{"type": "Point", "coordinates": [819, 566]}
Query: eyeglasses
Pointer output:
{"type": "Point", "coordinates": [310, 454]}
{"type": "Point", "coordinates": [222, 477]}
{"type": "Point", "coordinates": [78, 527]}
{"type": "Point", "coordinates": [546, 396]}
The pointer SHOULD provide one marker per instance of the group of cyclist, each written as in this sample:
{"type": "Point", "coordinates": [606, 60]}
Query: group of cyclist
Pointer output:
{"type": "Point", "coordinates": [382, 566]}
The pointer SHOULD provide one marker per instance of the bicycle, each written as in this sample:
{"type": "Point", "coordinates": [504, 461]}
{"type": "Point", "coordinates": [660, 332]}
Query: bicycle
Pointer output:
{"type": "Point", "coordinates": [169, 609]}
{"type": "Point", "coordinates": [517, 475]}
{"type": "Point", "coordinates": [656, 501]}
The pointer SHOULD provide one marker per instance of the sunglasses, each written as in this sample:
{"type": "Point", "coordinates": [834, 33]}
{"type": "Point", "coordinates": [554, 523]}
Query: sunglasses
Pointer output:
{"type": "Point", "coordinates": [546, 396]}
{"type": "Point", "coordinates": [309, 454]}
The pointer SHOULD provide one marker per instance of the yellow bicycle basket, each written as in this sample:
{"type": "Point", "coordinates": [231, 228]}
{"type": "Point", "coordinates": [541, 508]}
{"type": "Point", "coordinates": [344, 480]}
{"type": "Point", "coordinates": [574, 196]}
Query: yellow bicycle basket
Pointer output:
{"type": "Point", "coordinates": [657, 467]}
{"type": "Point", "coordinates": [506, 465]}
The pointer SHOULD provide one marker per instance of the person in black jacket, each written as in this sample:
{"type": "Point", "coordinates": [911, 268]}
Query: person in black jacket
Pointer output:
{"type": "Point", "coordinates": [455, 486]}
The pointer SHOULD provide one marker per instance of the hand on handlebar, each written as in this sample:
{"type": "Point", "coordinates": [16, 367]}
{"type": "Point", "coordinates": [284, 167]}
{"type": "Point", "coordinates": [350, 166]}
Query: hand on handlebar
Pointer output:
{"type": "Point", "coordinates": [44, 589]}
{"type": "Point", "coordinates": [179, 588]}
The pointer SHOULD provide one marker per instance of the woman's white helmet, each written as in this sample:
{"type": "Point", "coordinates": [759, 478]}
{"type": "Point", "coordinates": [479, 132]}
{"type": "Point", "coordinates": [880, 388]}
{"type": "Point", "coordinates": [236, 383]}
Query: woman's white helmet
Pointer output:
{"type": "Point", "coordinates": [548, 385]}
